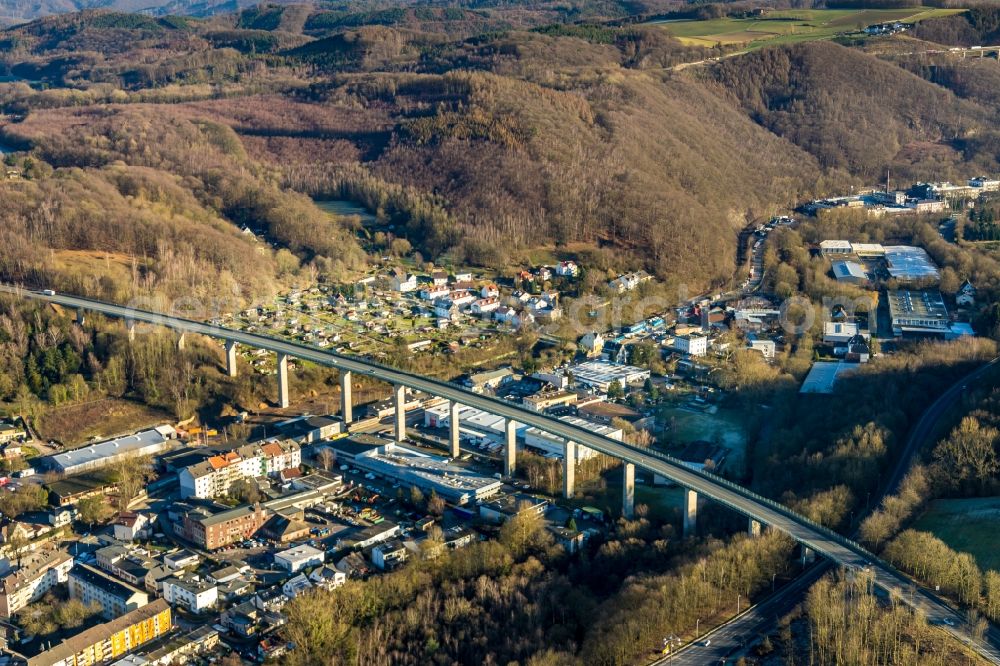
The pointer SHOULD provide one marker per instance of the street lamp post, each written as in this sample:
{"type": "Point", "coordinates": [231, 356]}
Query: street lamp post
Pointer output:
{"type": "Point", "coordinates": [697, 627]}
{"type": "Point", "coordinates": [738, 604]}
{"type": "Point", "coordinates": [772, 582]}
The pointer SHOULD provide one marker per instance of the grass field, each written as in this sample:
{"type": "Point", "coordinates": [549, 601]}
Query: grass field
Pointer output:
{"type": "Point", "coordinates": [967, 525]}
{"type": "Point", "coordinates": [725, 426]}
{"type": "Point", "coordinates": [795, 25]}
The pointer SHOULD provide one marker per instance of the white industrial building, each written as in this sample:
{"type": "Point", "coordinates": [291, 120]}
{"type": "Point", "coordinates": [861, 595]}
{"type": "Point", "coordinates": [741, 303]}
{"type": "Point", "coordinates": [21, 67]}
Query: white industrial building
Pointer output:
{"type": "Point", "coordinates": [553, 446]}
{"type": "Point", "coordinates": [474, 423]}
{"type": "Point", "coordinates": [908, 263]}
{"type": "Point", "coordinates": [102, 454]}
{"type": "Point", "coordinates": [413, 468]}
{"type": "Point", "coordinates": [299, 558]}
{"type": "Point", "coordinates": [918, 313]}
{"type": "Point", "coordinates": [835, 247]}
{"type": "Point", "coordinates": [600, 374]}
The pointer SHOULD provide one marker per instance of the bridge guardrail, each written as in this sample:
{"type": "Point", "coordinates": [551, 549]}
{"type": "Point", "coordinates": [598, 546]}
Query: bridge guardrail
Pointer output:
{"type": "Point", "coordinates": [224, 333]}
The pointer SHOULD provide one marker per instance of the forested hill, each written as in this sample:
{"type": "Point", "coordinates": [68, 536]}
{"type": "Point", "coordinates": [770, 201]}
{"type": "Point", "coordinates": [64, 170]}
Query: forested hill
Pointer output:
{"type": "Point", "coordinates": [856, 112]}
{"type": "Point", "coordinates": [580, 139]}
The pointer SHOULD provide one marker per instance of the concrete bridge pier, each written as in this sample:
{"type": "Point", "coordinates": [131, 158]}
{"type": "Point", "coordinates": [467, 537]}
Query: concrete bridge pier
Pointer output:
{"type": "Point", "coordinates": [454, 430]}
{"type": "Point", "coordinates": [181, 342]}
{"type": "Point", "coordinates": [81, 316]}
{"type": "Point", "coordinates": [753, 528]}
{"type": "Point", "coordinates": [283, 394]}
{"type": "Point", "coordinates": [346, 399]}
{"type": "Point", "coordinates": [808, 554]}
{"type": "Point", "coordinates": [130, 326]}
{"type": "Point", "coordinates": [628, 490]}
{"type": "Point", "coordinates": [509, 447]}
{"type": "Point", "coordinates": [569, 469]}
{"type": "Point", "coordinates": [399, 412]}
{"type": "Point", "coordinates": [231, 358]}
{"type": "Point", "coordinates": [690, 512]}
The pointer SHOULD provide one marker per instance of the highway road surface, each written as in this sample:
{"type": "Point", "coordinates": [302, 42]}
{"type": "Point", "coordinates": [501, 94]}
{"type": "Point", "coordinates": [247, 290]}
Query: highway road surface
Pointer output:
{"type": "Point", "coordinates": [823, 541]}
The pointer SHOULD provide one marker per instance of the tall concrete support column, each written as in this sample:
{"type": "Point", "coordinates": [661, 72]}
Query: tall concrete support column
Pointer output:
{"type": "Point", "coordinates": [283, 394]}
{"type": "Point", "coordinates": [346, 398]}
{"type": "Point", "coordinates": [454, 430]}
{"type": "Point", "coordinates": [628, 490]}
{"type": "Point", "coordinates": [130, 325]}
{"type": "Point", "coordinates": [569, 469]}
{"type": "Point", "coordinates": [180, 342]}
{"type": "Point", "coordinates": [231, 358]}
{"type": "Point", "coordinates": [399, 410]}
{"type": "Point", "coordinates": [81, 316]}
{"type": "Point", "coordinates": [808, 554]}
{"type": "Point", "coordinates": [753, 528]}
{"type": "Point", "coordinates": [509, 447]}
{"type": "Point", "coordinates": [690, 512]}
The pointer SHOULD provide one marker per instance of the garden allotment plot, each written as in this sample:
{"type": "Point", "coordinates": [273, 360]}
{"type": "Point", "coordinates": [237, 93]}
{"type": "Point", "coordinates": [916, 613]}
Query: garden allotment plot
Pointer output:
{"type": "Point", "coordinates": [784, 27]}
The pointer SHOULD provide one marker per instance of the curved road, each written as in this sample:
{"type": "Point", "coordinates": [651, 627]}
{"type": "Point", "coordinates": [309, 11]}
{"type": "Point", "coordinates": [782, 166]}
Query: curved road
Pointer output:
{"type": "Point", "coordinates": [822, 540]}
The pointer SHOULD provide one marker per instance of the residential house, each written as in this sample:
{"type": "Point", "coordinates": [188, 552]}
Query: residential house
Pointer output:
{"type": "Point", "coordinates": [966, 295]}
{"type": "Point", "coordinates": [508, 316]}
{"type": "Point", "coordinates": [439, 278]}
{"type": "Point", "coordinates": [458, 537]}
{"type": "Point", "coordinates": [105, 642]}
{"type": "Point", "coordinates": [519, 297]}
{"type": "Point", "coordinates": [446, 309]}
{"type": "Point", "coordinates": [402, 281]}
{"type": "Point", "coordinates": [327, 577]}
{"type": "Point", "coordinates": [489, 291]}
{"type": "Point", "coordinates": [571, 540]}
{"type": "Point", "coordinates": [629, 281]}
{"type": "Point", "coordinates": [461, 297]}
{"type": "Point", "coordinates": [567, 269]}
{"type": "Point", "coordinates": [131, 525]}
{"type": "Point", "coordinates": [10, 431]}
{"type": "Point", "coordinates": [116, 598]}
{"type": "Point", "coordinates": [592, 343]}
{"type": "Point", "coordinates": [485, 305]}
{"type": "Point", "coordinates": [242, 619]}
{"type": "Point", "coordinates": [389, 555]}
{"type": "Point", "coordinates": [281, 455]}
{"type": "Point", "coordinates": [838, 332]}
{"type": "Point", "coordinates": [692, 345]}
{"type": "Point", "coordinates": [766, 347]}
{"type": "Point", "coordinates": [434, 292]}
{"type": "Point", "coordinates": [191, 593]}
{"type": "Point", "coordinates": [37, 573]}
{"type": "Point", "coordinates": [212, 531]}
{"type": "Point", "coordinates": [296, 586]}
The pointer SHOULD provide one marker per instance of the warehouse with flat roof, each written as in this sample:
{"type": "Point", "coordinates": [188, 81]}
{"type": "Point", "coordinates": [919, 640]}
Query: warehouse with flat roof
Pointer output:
{"type": "Point", "coordinates": [907, 263]}
{"type": "Point", "coordinates": [918, 313]}
{"type": "Point", "coordinates": [413, 468]}
{"type": "Point", "coordinates": [600, 374]}
{"type": "Point", "coordinates": [102, 454]}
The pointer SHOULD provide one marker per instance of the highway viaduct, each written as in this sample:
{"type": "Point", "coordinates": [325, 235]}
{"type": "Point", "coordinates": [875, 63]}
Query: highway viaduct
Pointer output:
{"type": "Point", "coordinates": [813, 538]}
